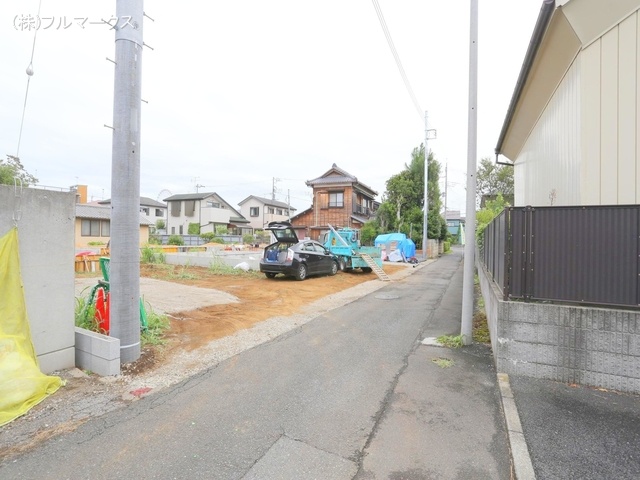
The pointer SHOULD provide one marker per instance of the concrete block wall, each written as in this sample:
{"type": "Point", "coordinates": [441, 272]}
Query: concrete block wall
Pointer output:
{"type": "Point", "coordinates": [598, 347]}
{"type": "Point", "coordinates": [98, 353]}
{"type": "Point", "coordinates": [45, 236]}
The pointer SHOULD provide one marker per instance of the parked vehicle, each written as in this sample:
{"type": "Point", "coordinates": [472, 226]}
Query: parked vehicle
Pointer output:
{"type": "Point", "coordinates": [292, 257]}
{"type": "Point", "coordinates": [344, 243]}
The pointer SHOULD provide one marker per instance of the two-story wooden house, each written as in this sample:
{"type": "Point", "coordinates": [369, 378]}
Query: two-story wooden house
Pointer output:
{"type": "Point", "coordinates": [339, 200]}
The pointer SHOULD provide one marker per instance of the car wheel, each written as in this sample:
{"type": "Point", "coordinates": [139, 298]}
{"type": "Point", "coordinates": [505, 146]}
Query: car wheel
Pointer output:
{"type": "Point", "coordinates": [334, 268]}
{"type": "Point", "coordinates": [367, 269]}
{"type": "Point", "coordinates": [270, 274]}
{"type": "Point", "coordinates": [301, 273]}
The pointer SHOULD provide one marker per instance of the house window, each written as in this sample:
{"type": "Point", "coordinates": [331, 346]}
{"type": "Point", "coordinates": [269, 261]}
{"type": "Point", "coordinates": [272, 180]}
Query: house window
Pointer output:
{"type": "Point", "coordinates": [159, 212]}
{"type": "Point", "coordinates": [271, 210]}
{"type": "Point", "coordinates": [189, 208]}
{"type": "Point", "coordinates": [145, 210]}
{"type": "Point", "coordinates": [278, 211]}
{"type": "Point", "coordinates": [254, 211]}
{"type": "Point", "coordinates": [175, 209]}
{"type": "Point", "coordinates": [105, 228]}
{"type": "Point", "coordinates": [336, 199]}
{"type": "Point", "coordinates": [214, 204]}
{"type": "Point", "coordinates": [180, 229]}
{"type": "Point", "coordinates": [91, 228]}
{"type": "Point", "coordinates": [173, 230]}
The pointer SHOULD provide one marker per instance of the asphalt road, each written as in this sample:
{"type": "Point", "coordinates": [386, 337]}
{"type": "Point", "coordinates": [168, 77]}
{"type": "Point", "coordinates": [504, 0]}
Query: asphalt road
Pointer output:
{"type": "Point", "coordinates": [351, 394]}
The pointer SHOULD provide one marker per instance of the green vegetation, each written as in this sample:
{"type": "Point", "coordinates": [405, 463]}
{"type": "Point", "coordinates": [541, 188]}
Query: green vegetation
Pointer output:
{"type": "Point", "coordinates": [443, 362]}
{"type": "Point", "coordinates": [183, 273]}
{"type": "Point", "coordinates": [451, 341]}
{"type": "Point", "coordinates": [157, 325]}
{"type": "Point", "coordinates": [218, 267]}
{"type": "Point", "coordinates": [493, 180]}
{"type": "Point", "coordinates": [248, 238]}
{"type": "Point", "coordinates": [175, 240]}
{"type": "Point", "coordinates": [160, 224]}
{"type": "Point", "coordinates": [85, 315]}
{"type": "Point", "coordinates": [152, 255]}
{"type": "Point", "coordinates": [401, 208]}
{"type": "Point", "coordinates": [211, 237]}
{"type": "Point", "coordinates": [193, 229]}
{"type": "Point", "coordinates": [11, 170]}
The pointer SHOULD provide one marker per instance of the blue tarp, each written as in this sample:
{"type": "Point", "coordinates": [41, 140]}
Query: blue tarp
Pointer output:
{"type": "Point", "coordinates": [404, 244]}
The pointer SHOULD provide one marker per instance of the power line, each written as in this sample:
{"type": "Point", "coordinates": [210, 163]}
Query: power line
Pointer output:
{"type": "Point", "coordinates": [29, 74]}
{"type": "Point", "coordinates": [385, 29]}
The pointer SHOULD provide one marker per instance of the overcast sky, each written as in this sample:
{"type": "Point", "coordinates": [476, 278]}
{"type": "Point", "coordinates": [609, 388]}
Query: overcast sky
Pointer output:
{"type": "Point", "coordinates": [242, 92]}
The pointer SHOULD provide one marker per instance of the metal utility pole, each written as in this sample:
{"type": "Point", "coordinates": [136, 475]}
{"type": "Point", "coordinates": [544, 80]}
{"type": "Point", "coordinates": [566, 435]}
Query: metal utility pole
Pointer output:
{"type": "Point", "coordinates": [124, 272]}
{"type": "Point", "coordinates": [425, 220]}
{"type": "Point", "coordinates": [446, 183]}
{"type": "Point", "coordinates": [466, 329]}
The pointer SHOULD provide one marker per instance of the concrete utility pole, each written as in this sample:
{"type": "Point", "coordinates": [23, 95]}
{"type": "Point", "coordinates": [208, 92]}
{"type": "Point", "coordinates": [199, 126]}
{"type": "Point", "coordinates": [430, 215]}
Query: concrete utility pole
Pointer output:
{"type": "Point", "coordinates": [425, 241]}
{"type": "Point", "coordinates": [124, 272]}
{"type": "Point", "coordinates": [472, 150]}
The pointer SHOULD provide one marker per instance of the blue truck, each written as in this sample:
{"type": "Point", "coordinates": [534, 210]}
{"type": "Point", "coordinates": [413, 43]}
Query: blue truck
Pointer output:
{"type": "Point", "coordinates": [344, 243]}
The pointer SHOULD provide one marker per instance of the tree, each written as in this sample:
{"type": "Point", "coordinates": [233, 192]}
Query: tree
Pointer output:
{"type": "Point", "coordinates": [493, 179]}
{"type": "Point", "coordinates": [11, 170]}
{"type": "Point", "coordinates": [402, 206]}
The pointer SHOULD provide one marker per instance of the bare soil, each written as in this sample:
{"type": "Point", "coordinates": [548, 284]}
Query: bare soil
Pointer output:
{"type": "Point", "coordinates": [259, 298]}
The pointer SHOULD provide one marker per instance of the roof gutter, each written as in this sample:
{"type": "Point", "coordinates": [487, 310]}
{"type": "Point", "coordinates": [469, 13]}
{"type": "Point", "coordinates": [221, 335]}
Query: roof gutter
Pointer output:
{"type": "Point", "coordinates": [546, 11]}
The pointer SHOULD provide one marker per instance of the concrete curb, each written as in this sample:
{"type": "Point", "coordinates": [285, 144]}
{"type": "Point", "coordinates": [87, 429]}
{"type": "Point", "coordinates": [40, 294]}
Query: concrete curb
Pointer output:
{"type": "Point", "coordinates": [522, 465]}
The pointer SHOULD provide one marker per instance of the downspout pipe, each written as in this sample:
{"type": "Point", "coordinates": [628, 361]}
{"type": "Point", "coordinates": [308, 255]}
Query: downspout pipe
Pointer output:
{"type": "Point", "coordinates": [546, 12]}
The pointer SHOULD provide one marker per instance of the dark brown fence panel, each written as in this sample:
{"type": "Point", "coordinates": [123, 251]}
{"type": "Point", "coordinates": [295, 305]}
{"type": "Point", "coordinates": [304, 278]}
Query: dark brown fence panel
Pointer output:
{"type": "Point", "coordinates": [493, 251]}
{"type": "Point", "coordinates": [517, 264]}
{"type": "Point", "coordinates": [585, 254]}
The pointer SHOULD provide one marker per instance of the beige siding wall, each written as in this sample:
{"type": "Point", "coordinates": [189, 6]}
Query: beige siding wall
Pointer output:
{"type": "Point", "coordinates": [610, 173]}
{"type": "Point", "coordinates": [590, 65]}
{"type": "Point", "coordinates": [83, 242]}
{"type": "Point", "coordinates": [547, 171]}
{"type": "Point", "coordinates": [584, 148]}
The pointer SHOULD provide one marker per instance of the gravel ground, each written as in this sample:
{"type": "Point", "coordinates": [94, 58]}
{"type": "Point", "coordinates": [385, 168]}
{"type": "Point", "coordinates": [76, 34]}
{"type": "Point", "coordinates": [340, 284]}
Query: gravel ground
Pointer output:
{"type": "Point", "coordinates": [86, 396]}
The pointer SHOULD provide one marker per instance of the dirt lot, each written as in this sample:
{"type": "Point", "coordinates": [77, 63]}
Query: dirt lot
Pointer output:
{"type": "Point", "coordinates": [259, 298]}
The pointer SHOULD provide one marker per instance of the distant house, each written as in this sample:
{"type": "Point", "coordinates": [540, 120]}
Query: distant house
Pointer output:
{"type": "Point", "coordinates": [149, 207]}
{"type": "Point", "coordinates": [207, 210]}
{"type": "Point", "coordinates": [454, 222]}
{"type": "Point", "coordinates": [339, 200]}
{"type": "Point", "coordinates": [93, 224]}
{"type": "Point", "coordinates": [260, 211]}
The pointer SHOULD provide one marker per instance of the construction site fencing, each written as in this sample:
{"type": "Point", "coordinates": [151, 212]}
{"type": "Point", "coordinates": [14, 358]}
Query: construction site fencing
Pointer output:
{"type": "Point", "coordinates": [578, 254]}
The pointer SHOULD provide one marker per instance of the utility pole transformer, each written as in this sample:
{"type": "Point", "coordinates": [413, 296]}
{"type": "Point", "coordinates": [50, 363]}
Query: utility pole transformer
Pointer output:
{"type": "Point", "coordinates": [124, 274]}
{"type": "Point", "coordinates": [466, 329]}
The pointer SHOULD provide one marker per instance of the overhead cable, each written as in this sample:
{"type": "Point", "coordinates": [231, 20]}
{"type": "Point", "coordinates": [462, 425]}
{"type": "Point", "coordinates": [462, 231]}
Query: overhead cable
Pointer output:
{"type": "Point", "coordinates": [396, 57]}
{"type": "Point", "coordinates": [29, 75]}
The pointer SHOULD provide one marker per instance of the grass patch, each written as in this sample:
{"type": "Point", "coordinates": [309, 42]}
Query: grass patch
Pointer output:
{"type": "Point", "coordinates": [443, 362]}
{"type": "Point", "coordinates": [85, 315]}
{"type": "Point", "coordinates": [149, 254]}
{"type": "Point", "coordinates": [481, 328]}
{"type": "Point", "coordinates": [157, 325]}
{"type": "Point", "coordinates": [451, 341]}
{"type": "Point", "coordinates": [183, 274]}
{"type": "Point", "coordinates": [219, 267]}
